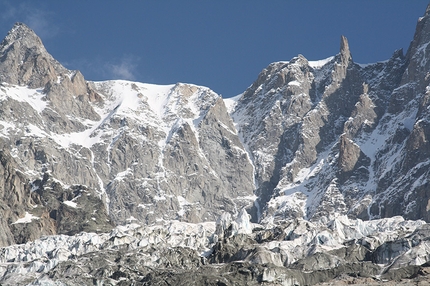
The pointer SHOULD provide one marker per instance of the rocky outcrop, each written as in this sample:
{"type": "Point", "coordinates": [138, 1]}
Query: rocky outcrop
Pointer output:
{"type": "Point", "coordinates": [44, 207]}
{"type": "Point", "coordinates": [14, 198]}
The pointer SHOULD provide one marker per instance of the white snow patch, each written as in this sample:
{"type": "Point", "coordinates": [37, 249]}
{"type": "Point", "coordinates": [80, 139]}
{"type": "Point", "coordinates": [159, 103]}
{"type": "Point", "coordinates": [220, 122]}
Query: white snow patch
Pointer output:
{"type": "Point", "coordinates": [294, 82]}
{"type": "Point", "coordinates": [182, 201]}
{"type": "Point", "coordinates": [159, 198]}
{"type": "Point", "coordinates": [122, 175]}
{"type": "Point", "coordinates": [409, 121]}
{"type": "Point", "coordinates": [247, 198]}
{"type": "Point", "coordinates": [320, 63]}
{"type": "Point", "coordinates": [307, 173]}
{"type": "Point", "coordinates": [26, 219]}
{"type": "Point", "coordinates": [34, 97]}
{"type": "Point", "coordinates": [371, 64]}
{"type": "Point", "coordinates": [131, 218]}
{"type": "Point", "coordinates": [70, 204]}
{"type": "Point", "coordinates": [6, 127]}
{"type": "Point", "coordinates": [231, 102]}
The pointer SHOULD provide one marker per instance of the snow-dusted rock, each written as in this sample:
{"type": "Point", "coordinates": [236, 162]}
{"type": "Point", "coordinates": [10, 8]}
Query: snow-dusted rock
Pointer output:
{"type": "Point", "coordinates": [339, 138]}
{"type": "Point", "coordinates": [330, 157]}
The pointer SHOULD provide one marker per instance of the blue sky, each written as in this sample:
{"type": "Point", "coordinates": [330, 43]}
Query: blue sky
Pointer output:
{"type": "Point", "coordinates": [219, 44]}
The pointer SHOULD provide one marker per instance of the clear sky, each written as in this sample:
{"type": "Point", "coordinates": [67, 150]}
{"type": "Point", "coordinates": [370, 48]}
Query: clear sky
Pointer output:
{"type": "Point", "coordinates": [221, 44]}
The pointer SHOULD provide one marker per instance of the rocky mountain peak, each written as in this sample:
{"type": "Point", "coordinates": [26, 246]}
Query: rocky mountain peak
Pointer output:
{"type": "Point", "coordinates": [20, 32]}
{"type": "Point", "coordinates": [417, 54]}
{"type": "Point", "coordinates": [25, 61]}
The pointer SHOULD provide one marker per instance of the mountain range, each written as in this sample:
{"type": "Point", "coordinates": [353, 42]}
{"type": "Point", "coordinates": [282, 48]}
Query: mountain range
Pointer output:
{"type": "Point", "coordinates": [314, 153]}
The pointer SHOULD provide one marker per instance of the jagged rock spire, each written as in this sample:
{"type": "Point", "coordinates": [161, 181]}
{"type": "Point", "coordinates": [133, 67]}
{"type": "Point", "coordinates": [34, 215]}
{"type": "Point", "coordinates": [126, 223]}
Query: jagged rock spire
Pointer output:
{"type": "Point", "coordinates": [417, 55]}
{"type": "Point", "coordinates": [344, 50]}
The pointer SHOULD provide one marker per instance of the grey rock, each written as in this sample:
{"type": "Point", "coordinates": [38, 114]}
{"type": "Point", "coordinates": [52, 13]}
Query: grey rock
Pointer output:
{"type": "Point", "coordinates": [340, 137]}
{"type": "Point", "coordinates": [174, 163]}
{"type": "Point", "coordinates": [307, 149]}
{"type": "Point", "coordinates": [24, 60]}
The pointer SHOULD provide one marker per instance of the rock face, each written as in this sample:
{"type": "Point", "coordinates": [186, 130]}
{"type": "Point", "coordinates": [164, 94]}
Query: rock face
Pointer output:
{"type": "Point", "coordinates": [325, 155]}
{"type": "Point", "coordinates": [40, 98]}
{"type": "Point", "coordinates": [168, 152]}
{"type": "Point", "coordinates": [84, 155]}
{"type": "Point", "coordinates": [335, 137]}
